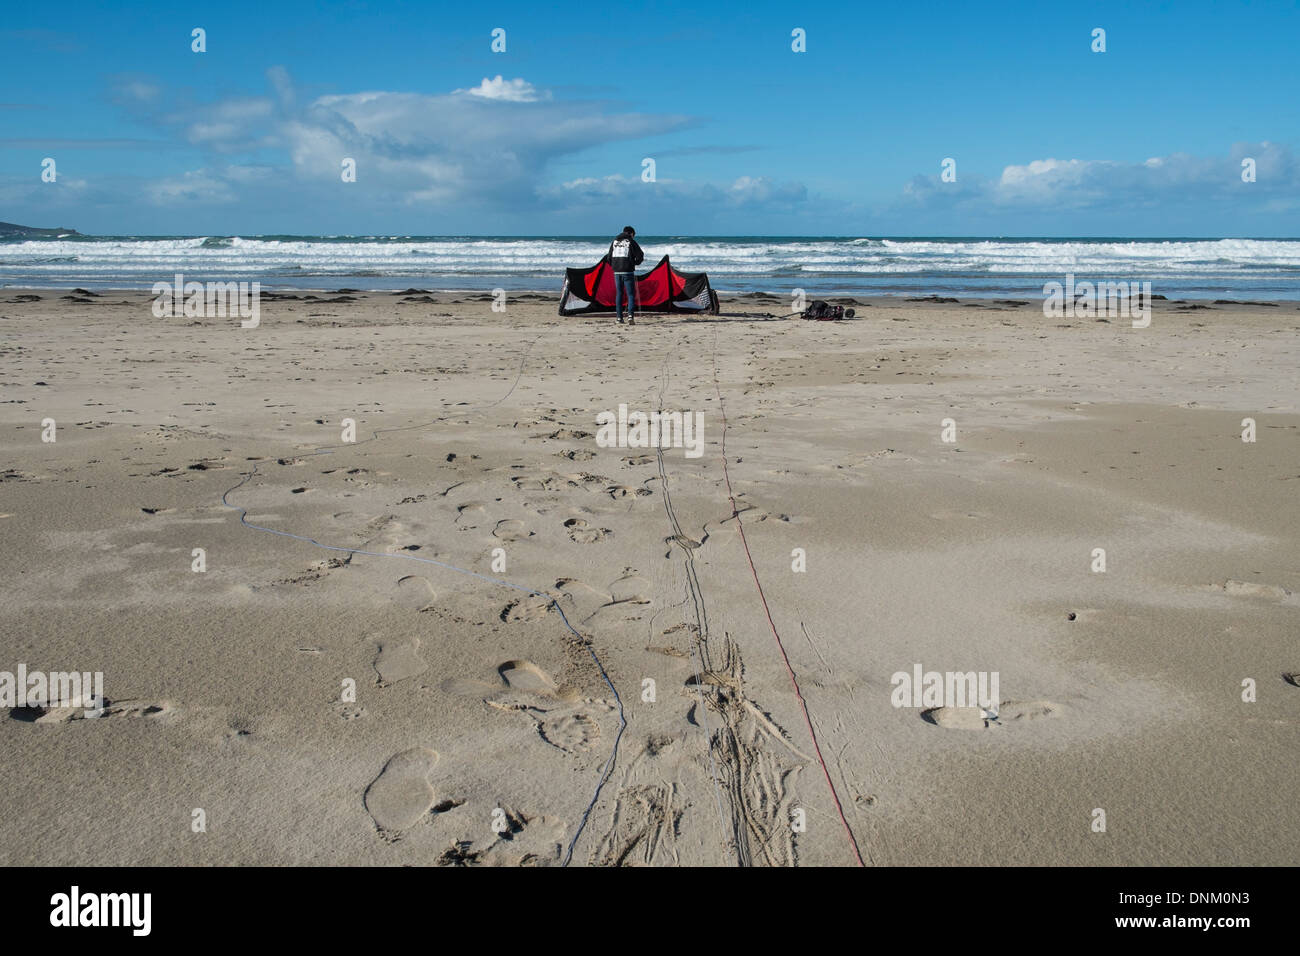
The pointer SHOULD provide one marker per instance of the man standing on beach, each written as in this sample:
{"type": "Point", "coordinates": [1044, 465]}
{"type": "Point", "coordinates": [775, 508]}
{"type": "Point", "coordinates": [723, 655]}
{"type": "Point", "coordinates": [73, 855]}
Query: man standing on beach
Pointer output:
{"type": "Point", "coordinates": [624, 256]}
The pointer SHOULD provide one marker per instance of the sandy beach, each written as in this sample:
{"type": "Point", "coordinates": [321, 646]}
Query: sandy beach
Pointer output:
{"type": "Point", "coordinates": [659, 725]}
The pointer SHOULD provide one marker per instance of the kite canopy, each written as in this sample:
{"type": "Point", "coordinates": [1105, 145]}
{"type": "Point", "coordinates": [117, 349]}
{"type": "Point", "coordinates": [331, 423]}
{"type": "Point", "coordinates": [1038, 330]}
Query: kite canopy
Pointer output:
{"type": "Point", "coordinates": [662, 289]}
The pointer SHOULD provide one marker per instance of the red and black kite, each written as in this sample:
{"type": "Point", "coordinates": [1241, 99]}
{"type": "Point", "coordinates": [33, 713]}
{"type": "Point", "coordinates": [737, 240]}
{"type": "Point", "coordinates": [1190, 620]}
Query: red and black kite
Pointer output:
{"type": "Point", "coordinates": [662, 289]}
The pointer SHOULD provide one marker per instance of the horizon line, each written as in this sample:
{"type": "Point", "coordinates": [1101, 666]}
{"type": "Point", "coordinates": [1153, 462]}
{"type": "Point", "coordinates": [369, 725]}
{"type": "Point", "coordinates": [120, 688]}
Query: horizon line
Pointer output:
{"type": "Point", "coordinates": [466, 235]}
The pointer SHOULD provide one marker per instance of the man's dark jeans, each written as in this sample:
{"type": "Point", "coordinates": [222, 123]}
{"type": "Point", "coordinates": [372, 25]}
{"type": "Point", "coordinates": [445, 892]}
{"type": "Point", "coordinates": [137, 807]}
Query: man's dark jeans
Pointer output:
{"type": "Point", "coordinates": [625, 285]}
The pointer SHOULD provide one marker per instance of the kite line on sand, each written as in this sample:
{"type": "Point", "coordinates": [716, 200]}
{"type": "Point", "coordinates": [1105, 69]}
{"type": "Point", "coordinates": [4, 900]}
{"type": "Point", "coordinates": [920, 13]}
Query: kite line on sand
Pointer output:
{"type": "Point", "coordinates": [740, 526]}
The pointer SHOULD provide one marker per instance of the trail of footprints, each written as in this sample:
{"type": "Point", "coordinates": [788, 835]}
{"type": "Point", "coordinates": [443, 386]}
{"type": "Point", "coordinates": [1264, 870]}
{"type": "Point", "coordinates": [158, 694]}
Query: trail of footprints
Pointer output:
{"type": "Point", "coordinates": [620, 601]}
{"type": "Point", "coordinates": [404, 794]}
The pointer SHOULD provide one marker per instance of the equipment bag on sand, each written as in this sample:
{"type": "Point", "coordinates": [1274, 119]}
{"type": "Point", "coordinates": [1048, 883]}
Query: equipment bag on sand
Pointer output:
{"type": "Point", "coordinates": [825, 312]}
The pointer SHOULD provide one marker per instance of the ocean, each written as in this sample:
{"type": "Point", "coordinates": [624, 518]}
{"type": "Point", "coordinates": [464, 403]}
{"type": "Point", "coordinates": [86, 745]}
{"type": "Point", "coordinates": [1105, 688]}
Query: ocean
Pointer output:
{"type": "Point", "coordinates": [822, 266]}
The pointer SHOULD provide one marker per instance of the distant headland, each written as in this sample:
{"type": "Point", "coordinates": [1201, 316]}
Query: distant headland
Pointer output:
{"type": "Point", "coordinates": [9, 230]}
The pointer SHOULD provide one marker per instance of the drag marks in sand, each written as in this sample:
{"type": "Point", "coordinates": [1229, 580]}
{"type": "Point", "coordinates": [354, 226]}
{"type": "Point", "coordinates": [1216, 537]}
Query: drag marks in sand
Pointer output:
{"type": "Point", "coordinates": [753, 783]}
{"type": "Point", "coordinates": [645, 822]}
{"type": "Point", "coordinates": [794, 683]}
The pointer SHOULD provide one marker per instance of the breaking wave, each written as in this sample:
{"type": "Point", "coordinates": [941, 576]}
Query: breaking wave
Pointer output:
{"type": "Point", "coordinates": [865, 264]}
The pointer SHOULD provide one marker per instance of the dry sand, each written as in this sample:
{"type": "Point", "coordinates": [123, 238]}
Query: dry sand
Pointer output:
{"type": "Point", "coordinates": [476, 705]}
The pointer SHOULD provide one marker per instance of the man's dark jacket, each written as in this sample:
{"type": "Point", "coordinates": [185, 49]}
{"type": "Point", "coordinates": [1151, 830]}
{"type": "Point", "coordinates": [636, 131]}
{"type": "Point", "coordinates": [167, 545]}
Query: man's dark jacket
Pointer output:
{"type": "Point", "coordinates": [624, 253]}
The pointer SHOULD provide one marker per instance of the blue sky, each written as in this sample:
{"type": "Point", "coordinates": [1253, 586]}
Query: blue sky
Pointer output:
{"type": "Point", "coordinates": [748, 137]}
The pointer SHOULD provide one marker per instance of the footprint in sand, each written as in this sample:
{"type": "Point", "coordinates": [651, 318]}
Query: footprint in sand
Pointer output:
{"type": "Point", "coordinates": [586, 481]}
{"type": "Point", "coordinates": [525, 610]}
{"type": "Point", "coordinates": [468, 512]}
{"type": "Point", "coordinates": [388, 534]}
{"type": "Point", "coordinates": [749, 514]}
{"type": "Point", "coordinates": [631, 588]}
{"type": "Point", "coordinates": [1269, 592]}
{"type": "Point", "coordinates": [584, 533]}
{"type": "Point", "coordinates": [569, 433]}
{"type": "Point", "coordinates": [398, 659]}
{"type": "Point", "coordinates": [415, 591]}
{"type": "Point", "coordinates": [681, 541]}
{"type": "Point", "coordinates": [1009, 713]}
{"type": "Point", "coordinates": [627, 596]}
{"type": "Point", "coordinates": [572, 733]}
{"type": "Point", "coordinates": [622, 599]}
{"type": "Point", "coordinates": [571, 727]}
{"type": "Point", "coordinates": [511, 529]}
{"type": "Point", "coordinates": [581, 596]}
{"type": "Point", "coordinates": [526, 676]}
{"type": "Point", "coordinates": [402, 794]}
{"type": "Point", "coordinates": [78, 710]}
{"type": "Point", "coordinates": [622, 491]}
{"type": "Point", "coordinates": [138, 708]}
{"type": "Point", "coordinates": [529, 483]}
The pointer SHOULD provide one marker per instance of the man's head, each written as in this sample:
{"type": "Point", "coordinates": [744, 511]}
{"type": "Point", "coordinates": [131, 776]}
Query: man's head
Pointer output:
{"type": "Point", "coordinates": [629, 231]}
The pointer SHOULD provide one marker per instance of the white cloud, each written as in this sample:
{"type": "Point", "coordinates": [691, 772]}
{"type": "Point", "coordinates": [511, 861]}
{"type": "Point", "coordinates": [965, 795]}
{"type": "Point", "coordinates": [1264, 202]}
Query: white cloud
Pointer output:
{"type": "Point", "coordinates": [1041, 170]}
{"type": "Point", "coordinates": [490, 148]}
{"type": "Point", "coordinates": [229, 126]}
{"type": "Point", "coordinates": [751, 189]}
{"type": "Point", "coordinates": [491, 144]}
{"type": "Point", "coordinates": [1178, 178]}
{"type": "Point", "coordinates": [195, 186]}
{"type": "Point", "coordinates": [516, 91]}
{"type": "Point", "coordinates": [627, 190]}
{"type": "Point", "coordinates": [139, 90]}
